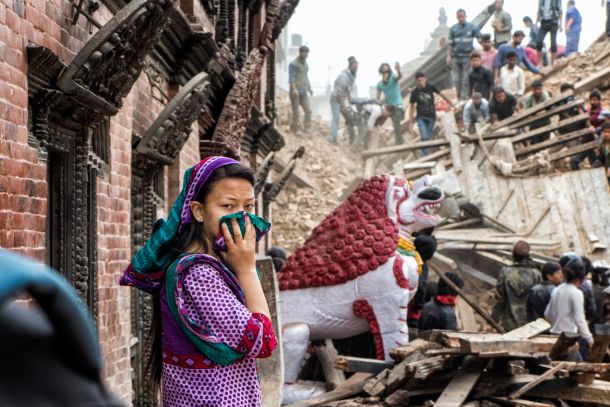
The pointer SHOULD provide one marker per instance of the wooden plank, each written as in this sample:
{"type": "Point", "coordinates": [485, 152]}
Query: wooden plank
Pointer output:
{"type": "Point", "coordinates": [465, 316]}
{"type": "Point", "coordinates": [597, 392]}
{"type": "Point", "coordinates": [551, 127]}
{"type": "Point", "coordinates": [364, 365]}
{"type": "Point", "coordinates": [479, 275]}
{"type": "Point", "coordinates": [462, 384]}
{"type": "Point", "coordinates": [603, 54]}
{"type": "Point", "coordinates": [520, 402]}
{"type": "Point", "coordinates": [592, 145]}
{"type": "Point", "coordinates": [528, 331]}
{"type": "Point", "coordinates": [443, 152]}
{"type": "Point", "coordinates": [552, 142]}
{"type": "Point", "coordinates": [400, 353]}
{"type": "Point", "coordinates": [459, 225]}
{"type": "Point", "coordinates": [531, 111]}
{"type": "Point", "coordinates": [585, 367]}
{"type": "Point", "coordinates": [601, 340]}
{"type": "Point", "coordinates": [451, 134]}
{"type": "Point", "coordinates": [547, 113]}
{"type": "Point", "coordinates": [404, 147]}
{"type": "Point", "coordinates": [440, 260]}
{"type": "Point", "coordinates": [592, 81]}
{"type": "Point", "coordinates": [545, 376]}
{"type": "Point", "coordinates": [351, 387]}
{"type": "Point", "coordinates": [418, 166]}
{"type": "Point", "coordinates": [564, 342]}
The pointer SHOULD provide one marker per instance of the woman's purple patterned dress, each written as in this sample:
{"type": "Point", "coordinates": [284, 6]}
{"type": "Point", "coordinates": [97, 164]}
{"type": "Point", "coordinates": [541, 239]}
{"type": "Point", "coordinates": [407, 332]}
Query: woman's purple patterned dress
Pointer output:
{"type": "Point", "coordinates": [192, 380]}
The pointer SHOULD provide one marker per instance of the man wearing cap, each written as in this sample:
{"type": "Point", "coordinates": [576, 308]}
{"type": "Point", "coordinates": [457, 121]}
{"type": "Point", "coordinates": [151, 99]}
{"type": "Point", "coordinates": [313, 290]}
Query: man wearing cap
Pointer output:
{"type": "Point", "coordinates": [512, 286]}
{"type": "Point", "coordinates": [340, 99]}
{"type": "Point", "coordinates": [514, 46]}
{"type": "Point", "coordinates": [537, 96]}
{"type": "Point", "coordinates": [549, 17]}
{"type": "Point", "coordinates": [300, 90]}
{"type": "Point", "coordinates": [461, 36]}
{"type": "Point", "coordinates": [475, 111]}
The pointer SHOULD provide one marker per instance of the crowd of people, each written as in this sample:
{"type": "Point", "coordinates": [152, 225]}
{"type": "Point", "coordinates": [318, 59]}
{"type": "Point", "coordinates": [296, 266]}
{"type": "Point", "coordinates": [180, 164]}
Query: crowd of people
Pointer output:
{"type": "Point", "coordinates": [572, 294]}
{"type": "Point", "coordinates": [490, 83]}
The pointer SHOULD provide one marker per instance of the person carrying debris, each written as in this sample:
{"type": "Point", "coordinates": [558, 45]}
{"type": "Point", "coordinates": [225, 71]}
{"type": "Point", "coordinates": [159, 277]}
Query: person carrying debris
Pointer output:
{"type": "Point", "coordinates": [340, 98]}
{"type": "Point", "coordinates": [566, 310]}
{"type": "Point", "coordinates": [392, 98]}
{"type": "Point", "coordinates": [439, 313]}
{"type": "Point", "coordinates": [422, 97]}
{"type": "Point", "coordinates": [475, 111]}
{"type": "Point", "coordinates": [573, 28]}
{"type": "Point", "coordinates": [539, 295]}
{"type": "Point", "coordinates": [549, 16]}
{"type": "Point", "coordinates": [461, 36]}
{"type": "Point", "coordinates": [512, 78]}
{"type": "Point", "coordinates": [480, 78]}
{"type": "Point", "coordinates": [503, 105]}
{"type": "Point", "coordinates": [516, 47]}
{"type": "Point", "coordinates": [537, 96]}
{"type": "Point", "coordinates": [300, 90]}
{"type": "Point", "coordinates": [512, 286]}
{"type": "Point", "coordinates": [502, 24]}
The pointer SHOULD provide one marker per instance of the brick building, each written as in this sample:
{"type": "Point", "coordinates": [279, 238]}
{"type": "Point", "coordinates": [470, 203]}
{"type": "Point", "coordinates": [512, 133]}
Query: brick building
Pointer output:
{"type": "Point", "coordinates": [103, 105]}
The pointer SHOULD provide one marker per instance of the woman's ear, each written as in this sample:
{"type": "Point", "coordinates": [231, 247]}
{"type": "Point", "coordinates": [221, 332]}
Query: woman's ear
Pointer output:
{"type": "Point", "coordinates": [197, 210]}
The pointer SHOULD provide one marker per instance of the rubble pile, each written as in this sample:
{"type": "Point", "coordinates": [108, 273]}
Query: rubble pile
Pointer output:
{"type": "Point", "coordinates": [328, 168]}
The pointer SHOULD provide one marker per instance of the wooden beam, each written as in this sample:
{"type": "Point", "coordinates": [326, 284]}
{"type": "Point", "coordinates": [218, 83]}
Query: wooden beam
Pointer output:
{"type": "Point", "coordinates": [520, 166]}
{"type": "Point", "coordinates": [327, 355]}
{"type": "Point", "coordinates": [470, 302]}
{"type": "Point", "coordinates": [551, 127]}
{"type": "Point", "coordinates": [552, 142]}
{"type": "Point", "coordinates": [597, 392]}
{"type": "Point", "coordinates": [592, 81]}
{"type": "Point", "coordinates": [549, 374]}
{"type": "Point", "coordinates": [351, 387]}
{"type": "Point", "coordinates": [460, 224]}
{"type": "Point", "coordinates": [462, 384]}
{"type": "Point", "coordinates": [601, 341]}
{"type": "Point", "coordinates": [404, 147]}
{"type": "Point", "coordinates": [364, 365]}
{"type": "Point", "coordinates": [400, 353]}
{"type": "Point", "coordinates": [531, 111]}
{"type": "Point", "coordinates": [564, 342]}
{"type": "Point", "coordinates": [431, 157]}
{"type": "Point", "coordinates": [520, 402]}
{"type": "Point", "coordinates": [584, 367]}
{"type": "Point", "coordinates": [528, 331]}
{"type": "Point", "coordinates": [547, 113]}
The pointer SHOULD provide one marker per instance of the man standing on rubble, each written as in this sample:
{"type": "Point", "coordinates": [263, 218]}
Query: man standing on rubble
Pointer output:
{"type": "Point", "coordinates": [480, 78]}
{"type": "Point", "coordinates": [512, 286]}
{"type": "Point", "coordinates": [341, 98]}
{"type": "Point", "coordinates": [461, 36]}
{"type": "Point", "coordinates": [573, 27]}
{"type": "Point", "coordinates": [392, 98]}
{"type": "Point", "coordinates": [536, 97]}
{"type": "Point", "coordinates": [300, 90]}
{"type": "Point", "coordinates": [539, 295]}
{"type": "Point", "coordinates": [550, 16]}
{"type": "Point", "coordinates": [488, 52]}
{"type": "Point", "coordinates": [512, 78]}
{"type": "Point", "coordinates": [514, 46]}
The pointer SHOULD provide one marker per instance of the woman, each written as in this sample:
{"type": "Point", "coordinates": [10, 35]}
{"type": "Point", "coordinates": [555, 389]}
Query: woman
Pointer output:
{"type": "Point", "coordinates": [214, 319]}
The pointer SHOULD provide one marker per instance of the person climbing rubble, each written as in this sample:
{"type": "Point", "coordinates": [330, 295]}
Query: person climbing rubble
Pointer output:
{"type": "Point", "coordinates": [549, 16]}
{"type": "Point", "coordinates": [392, 98]}
{"type": "Point", "coordinates": [512, 286]}
{"type": "Point", "coordinates": [475, 111]}
{"type": "Point", "coordinates": [340, 99]}
{"type": "Point", "coordinates": [539, 295]}
{"type": "Point", "coordinates": [536, 97]}
{"type": "Point", "coordinates": [503, 105]}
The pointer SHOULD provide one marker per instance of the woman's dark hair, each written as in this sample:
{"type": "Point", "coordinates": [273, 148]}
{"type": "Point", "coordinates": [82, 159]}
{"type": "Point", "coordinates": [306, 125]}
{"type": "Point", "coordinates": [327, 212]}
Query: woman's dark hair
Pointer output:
{"type": "Point", "coordinates": [191, 234]}
{"type": "Point", "coordinates": [574, 271]}
{"type": "Point", "coordinates": [595, 94]}
{"type": "Point", "coordinates": [384, 65]}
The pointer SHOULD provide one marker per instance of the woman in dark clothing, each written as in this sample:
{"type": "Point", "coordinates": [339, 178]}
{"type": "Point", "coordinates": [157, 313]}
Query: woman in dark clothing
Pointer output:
{"type": "Point", "coordinates": [439, 313]}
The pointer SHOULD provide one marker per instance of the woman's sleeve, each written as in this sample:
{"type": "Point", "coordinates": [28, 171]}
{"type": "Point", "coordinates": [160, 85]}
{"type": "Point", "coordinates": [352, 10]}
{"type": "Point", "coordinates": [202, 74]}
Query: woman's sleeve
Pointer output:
{"type": "Point", "coordinates": [210, 302]}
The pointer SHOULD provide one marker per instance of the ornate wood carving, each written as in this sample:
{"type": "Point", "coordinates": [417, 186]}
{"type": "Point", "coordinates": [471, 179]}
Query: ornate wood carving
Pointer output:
{"type": "Point", "coordinates": [236, 111]}
{"type": "Point", "coordinates": [286, 10]}
{"type": "Point", "coordinates": [263, 172]}
{"type": "Point", "coordinates": [165, 137]}
{"type": "Point", "coordinates": [104, 71]}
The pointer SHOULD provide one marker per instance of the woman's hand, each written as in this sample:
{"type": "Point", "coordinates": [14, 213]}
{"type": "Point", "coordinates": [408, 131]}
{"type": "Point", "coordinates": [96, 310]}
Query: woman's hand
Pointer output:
{"type": "Point", "coordinates": [240, 256]}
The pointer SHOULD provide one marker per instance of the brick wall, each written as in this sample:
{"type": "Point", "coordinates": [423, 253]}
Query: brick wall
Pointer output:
{"type": "Point", "coordinates": [23, 186]}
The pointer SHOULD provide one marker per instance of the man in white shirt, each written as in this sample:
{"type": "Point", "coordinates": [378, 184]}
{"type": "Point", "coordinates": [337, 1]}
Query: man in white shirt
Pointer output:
{"type": "Point", "coordinates": [566, 310]}
{"type": "Point", "coordinates": [512, 78]}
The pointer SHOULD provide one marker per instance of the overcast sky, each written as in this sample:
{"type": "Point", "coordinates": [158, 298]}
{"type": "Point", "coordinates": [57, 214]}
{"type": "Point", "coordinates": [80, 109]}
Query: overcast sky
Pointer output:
{"type": "Point", "coordinates": [396, 30]}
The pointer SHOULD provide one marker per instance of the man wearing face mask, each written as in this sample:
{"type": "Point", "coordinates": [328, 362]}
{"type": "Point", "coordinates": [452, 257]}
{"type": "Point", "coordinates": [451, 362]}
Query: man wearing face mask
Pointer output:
{"type": "Point", "coordinates": [392, 98]}
{"type": "Point", "coordinates": [341, 98]}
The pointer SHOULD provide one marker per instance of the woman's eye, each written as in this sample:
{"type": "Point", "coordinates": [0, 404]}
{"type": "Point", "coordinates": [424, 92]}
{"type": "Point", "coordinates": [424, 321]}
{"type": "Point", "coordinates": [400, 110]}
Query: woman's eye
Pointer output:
{"type": "Point", "coordinates": [250, 206]}
{"type": "Point", "coordinates": [227, 206]}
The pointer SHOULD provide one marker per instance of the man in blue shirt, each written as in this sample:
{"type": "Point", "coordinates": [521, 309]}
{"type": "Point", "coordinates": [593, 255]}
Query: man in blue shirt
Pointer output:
{"type": "Point", "coordinates": [573, 27]}
{"type": "Point", "coordinates": [549, 16]}
{"type": "Point", "coordinates": [514, 46]}
{"type": "Point", "coordinates": [461, 36]}
{"type": "Point", "coordinates": [392, 98]}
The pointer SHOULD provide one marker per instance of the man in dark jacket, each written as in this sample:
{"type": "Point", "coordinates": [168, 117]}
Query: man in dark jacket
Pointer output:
{"type": "Point", "coordinates": [439, 313]}
{"type": "Point", "coordinates": [540, 294]}
{"type": "Point", "coordinates": [512, 286]}
{"type": "Point", "coordinates": [461, 36]}
{"type": "Point", "coordinates": [480, 78]}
